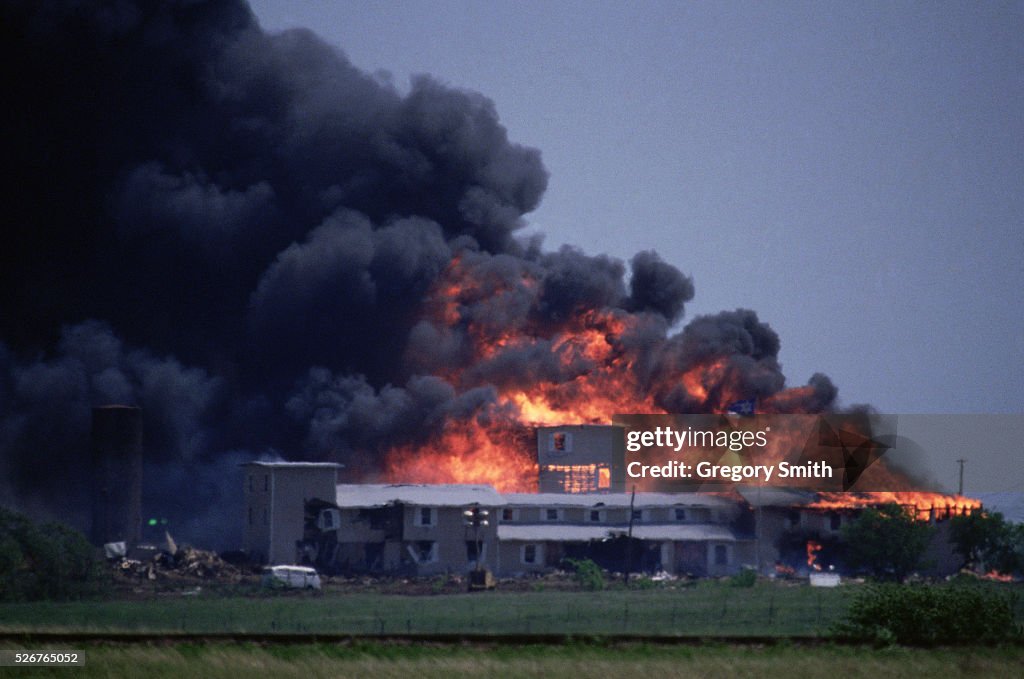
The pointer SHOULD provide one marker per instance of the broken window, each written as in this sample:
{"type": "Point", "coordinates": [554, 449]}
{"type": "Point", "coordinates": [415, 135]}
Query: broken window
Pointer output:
{"type": "Point", "coordinates": [508, 514]}
{"type": "Point", "coordinates": [424, 551]}
{"type": "Point", "coordinates": [560, 441]}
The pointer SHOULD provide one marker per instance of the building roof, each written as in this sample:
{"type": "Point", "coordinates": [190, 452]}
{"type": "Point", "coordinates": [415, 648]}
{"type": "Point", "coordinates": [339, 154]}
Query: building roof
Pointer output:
{"type": "Point", "coordinates": [556, 532]}
{"type": "Point", "coordinates": [427, 495]}
{"type": "Point", "coordinates": [771, 496]}
{"type": "Point", "coordinates": [293, 465]}
{"type": "Point", "coordinates": [589, 500]}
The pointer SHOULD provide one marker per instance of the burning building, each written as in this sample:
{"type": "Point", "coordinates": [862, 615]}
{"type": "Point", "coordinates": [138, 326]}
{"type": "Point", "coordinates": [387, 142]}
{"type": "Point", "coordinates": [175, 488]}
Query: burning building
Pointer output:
{"type": "Point", "coordinates": [268, 249]}
{"type": "Point", "coordinates": [581, 459]}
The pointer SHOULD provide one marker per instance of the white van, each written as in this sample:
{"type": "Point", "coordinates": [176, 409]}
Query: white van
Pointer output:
{"type": "Point", "coordinates": [299, 577]}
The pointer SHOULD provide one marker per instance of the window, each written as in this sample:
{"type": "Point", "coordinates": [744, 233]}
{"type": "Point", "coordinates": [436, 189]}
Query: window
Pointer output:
{"type": "Point", "coordinates": [425, 516]}
{"type": "Point", "coordinates": [551, 515]}
{"type": "Point", "coordinates": [680, 514]}
{"type": "Point", "coordinates": [560, 442]}
{"type": "Point", "coordinates": [721, 555]}
{"type": "Point", "coordinates": [423, 551]}
{"type": "Point", "coordinates": [835, 521]}
{"type": "Point", "coordinates": [329, 519]}
{"type": "Point", "coordinates": [595, 515]}
{"type": "Point", "coordinates": [530, 554]}
{"type": "Point", "coordinates": [638, 515]}
{"type": "Point", "coordinates": [508, 514]}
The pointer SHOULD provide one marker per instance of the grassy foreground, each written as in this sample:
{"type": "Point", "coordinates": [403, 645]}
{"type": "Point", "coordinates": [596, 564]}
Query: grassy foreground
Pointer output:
{"type": "Point", "coordinates": [380, 660]}
{"type": "Point", "coordinates": [711, 608]}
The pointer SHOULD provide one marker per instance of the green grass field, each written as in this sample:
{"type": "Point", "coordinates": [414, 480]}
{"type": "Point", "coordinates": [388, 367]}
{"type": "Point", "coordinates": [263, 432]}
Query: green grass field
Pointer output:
{"type": "Point", "coordinates": [574, 660]}
{"type": "Point", "coordinates": [708, 609]}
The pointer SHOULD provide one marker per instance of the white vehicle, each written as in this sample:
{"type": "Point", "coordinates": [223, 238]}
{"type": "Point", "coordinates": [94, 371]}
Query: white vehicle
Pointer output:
{"type": "Point", "coordinates": [299, 577]}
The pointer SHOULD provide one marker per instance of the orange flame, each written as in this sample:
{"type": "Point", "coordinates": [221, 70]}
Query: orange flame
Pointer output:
{"type": "Point", "coordinates": [996, 576]}
{"type": "Point", "coordinates": [813, 548]}
{"type": "Point", "coordinates": [589, 373]}
{"type": "Point", "coordinates": [925, 505]}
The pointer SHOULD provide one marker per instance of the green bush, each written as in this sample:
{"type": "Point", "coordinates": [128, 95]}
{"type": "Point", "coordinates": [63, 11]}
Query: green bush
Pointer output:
{"type": "Point", "coordinates": [49, 561]}
{"type": "Point", "coordinates": [588, 574]}
{"type": "Point", "coordinates": [643, 582]}
{"type": "Point", "coordinates": [928, 615]}
{"type": "Point", "coordinates": [745, 578]}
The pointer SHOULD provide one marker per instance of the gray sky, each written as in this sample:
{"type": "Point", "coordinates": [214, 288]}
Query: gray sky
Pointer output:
{"type": "Point", "coordinates": [852, 172]}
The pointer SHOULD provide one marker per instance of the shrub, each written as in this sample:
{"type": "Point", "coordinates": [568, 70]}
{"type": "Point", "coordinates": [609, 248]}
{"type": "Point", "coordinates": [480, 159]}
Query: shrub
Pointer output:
{"type": "Point", "coordinates": [50, 561]}
{"type": "Point", "coordinates": [643, 582]}
{"type": "Point", "coordinates": [745, 578]}
{"type": "Point", "coordinates": [928, 615]}
{"type": "Point", "coordinates": [887, 541]}
{"type": "Point", "coordinates": [588, 574]}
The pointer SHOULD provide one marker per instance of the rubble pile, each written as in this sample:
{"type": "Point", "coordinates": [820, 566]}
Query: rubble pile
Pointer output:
{"type": "Point", "coordinates": [147, 562]}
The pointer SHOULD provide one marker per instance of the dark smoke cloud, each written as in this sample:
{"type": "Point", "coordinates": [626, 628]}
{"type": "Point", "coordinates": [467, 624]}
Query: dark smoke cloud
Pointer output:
{"type": "Point", "coordinates": [240, 233]}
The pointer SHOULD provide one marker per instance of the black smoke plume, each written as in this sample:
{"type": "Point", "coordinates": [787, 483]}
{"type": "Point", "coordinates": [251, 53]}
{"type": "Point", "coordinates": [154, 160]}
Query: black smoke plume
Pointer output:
{"type": "Point", "coordinates": [238, 232]}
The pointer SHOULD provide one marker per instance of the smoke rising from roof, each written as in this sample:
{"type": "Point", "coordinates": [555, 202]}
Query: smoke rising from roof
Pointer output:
{"type": "Point", "coordinates": [244, 235]}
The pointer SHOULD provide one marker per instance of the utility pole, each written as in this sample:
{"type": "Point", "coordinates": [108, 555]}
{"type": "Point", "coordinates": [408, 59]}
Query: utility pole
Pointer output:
{"type": "Point", "coordinates": [629, 537]}
{"type": "Point", "coordinates": [475, 518]}
{"type": "Point", "coordinates": [479, 577]}
{"type": "Point", "coordinates": [960, 488]}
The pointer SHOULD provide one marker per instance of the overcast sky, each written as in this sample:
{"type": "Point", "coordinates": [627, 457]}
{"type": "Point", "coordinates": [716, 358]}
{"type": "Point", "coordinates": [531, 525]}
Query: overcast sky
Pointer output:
{"type": "Point", "coordinates": [851, 172]}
